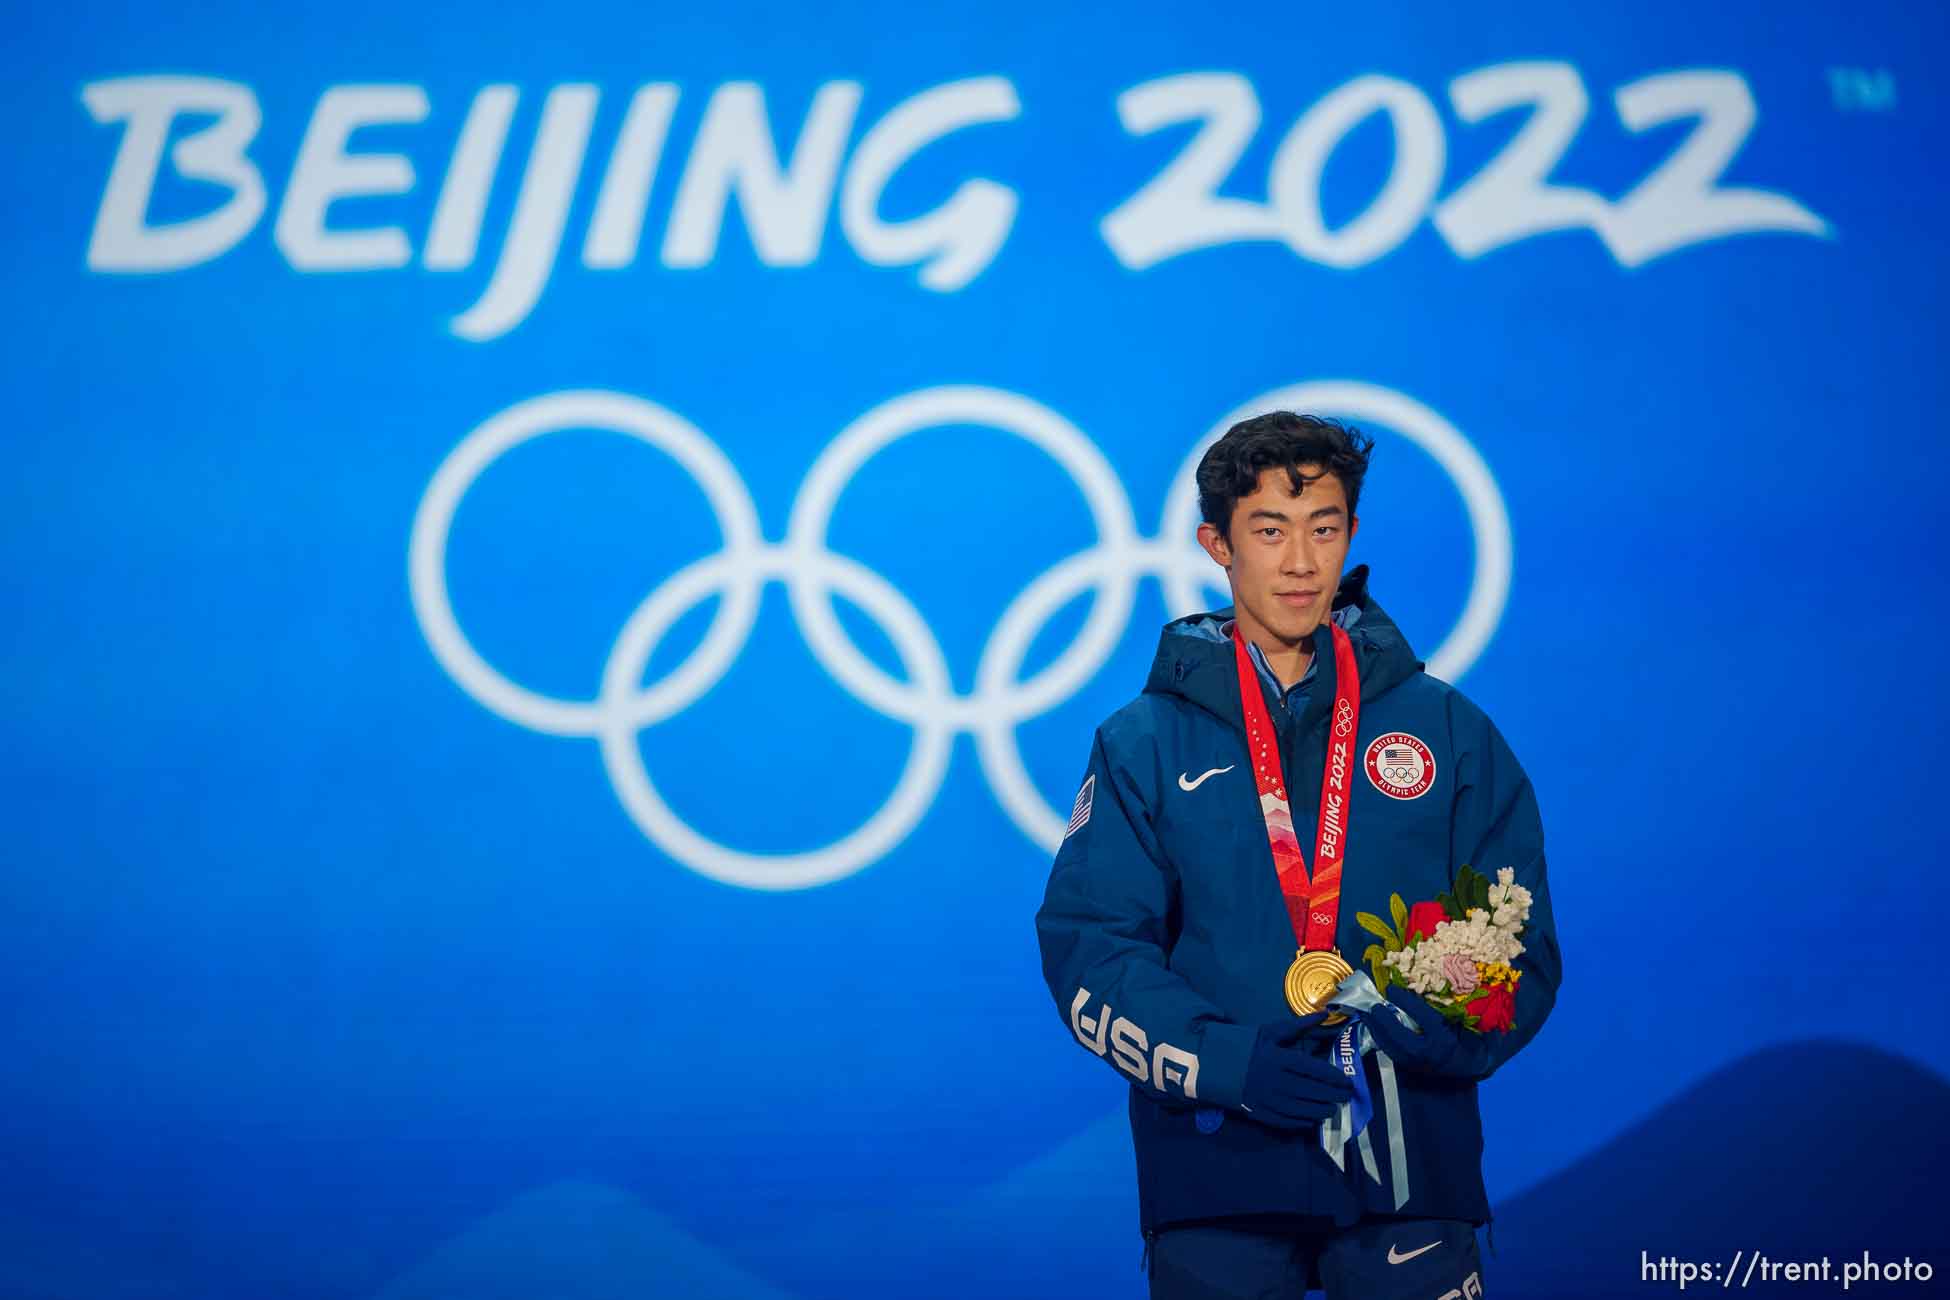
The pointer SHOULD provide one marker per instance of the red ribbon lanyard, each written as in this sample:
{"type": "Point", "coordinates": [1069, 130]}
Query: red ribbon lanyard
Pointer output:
{"type": "Point", "coordinates": [1312, 904]}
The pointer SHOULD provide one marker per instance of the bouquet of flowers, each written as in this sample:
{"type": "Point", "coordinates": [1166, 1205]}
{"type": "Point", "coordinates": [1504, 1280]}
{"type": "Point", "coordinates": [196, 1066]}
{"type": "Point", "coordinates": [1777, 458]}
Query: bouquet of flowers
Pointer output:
{"type": "Point", "coordinates": [1456, 949]}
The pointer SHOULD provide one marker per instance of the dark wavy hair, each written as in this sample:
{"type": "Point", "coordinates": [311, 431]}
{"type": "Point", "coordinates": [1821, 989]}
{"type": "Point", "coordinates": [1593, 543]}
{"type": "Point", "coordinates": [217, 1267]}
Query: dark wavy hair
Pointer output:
{"type": "Point", "coordinates": [1231, 467]}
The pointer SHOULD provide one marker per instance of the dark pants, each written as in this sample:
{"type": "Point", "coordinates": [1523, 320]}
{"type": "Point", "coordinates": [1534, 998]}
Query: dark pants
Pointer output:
{"type": "Point", "coordinates": [1376, 1259]}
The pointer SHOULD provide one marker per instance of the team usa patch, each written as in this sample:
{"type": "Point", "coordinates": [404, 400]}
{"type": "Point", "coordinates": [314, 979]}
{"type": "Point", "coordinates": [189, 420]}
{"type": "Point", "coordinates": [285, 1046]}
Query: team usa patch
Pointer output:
{"type": "Point", "coordinates": [1400, 766]}
{"type": "Point", "coordinates": [1080, 810]}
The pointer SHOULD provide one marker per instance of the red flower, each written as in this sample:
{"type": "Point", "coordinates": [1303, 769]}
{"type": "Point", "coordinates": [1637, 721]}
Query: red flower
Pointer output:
{"type": "Point", "coordinates": [1496, 1009]}
{"type": "Point", "coordinates": [1422, 919]}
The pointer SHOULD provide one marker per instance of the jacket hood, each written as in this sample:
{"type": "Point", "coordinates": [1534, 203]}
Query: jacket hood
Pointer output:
{"type": "Point", "coordinates": [1196, 663]}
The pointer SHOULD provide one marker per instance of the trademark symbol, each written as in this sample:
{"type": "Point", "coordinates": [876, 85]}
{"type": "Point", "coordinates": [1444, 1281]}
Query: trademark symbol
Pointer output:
{"type": "Point", "coordinates": [1862, 90]}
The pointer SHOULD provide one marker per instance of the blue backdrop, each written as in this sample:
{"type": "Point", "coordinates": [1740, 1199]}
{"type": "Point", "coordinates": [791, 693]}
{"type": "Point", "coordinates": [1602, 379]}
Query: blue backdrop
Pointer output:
{"type": "Point", "coordinates": [561, 565]}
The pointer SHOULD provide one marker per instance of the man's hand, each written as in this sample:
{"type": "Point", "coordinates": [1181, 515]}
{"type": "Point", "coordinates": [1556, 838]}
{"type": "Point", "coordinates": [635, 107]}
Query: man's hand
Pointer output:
{"type": "Point", "coordinates": [1442, 1048]}
{"type": "Point", "coordinates": [1287, 1086]}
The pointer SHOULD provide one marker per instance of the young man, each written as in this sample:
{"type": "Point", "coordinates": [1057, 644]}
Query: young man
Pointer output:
{"type": "Point", "coordinates": [1175, 947]}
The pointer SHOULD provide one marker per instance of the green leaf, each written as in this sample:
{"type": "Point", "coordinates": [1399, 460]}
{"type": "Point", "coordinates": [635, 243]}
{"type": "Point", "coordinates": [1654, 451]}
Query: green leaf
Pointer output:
{"type": "Point", "coordinates": [1377, 927]}
{"type": "Point", "coordinates": [1399, 910]}
{"type": "Point", "coordinates": [1378, 968]}
{"type": "Point", "coordinates": [1373, 951]}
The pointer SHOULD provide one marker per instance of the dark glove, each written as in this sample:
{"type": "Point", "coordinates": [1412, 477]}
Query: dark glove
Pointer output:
{"type": "Point", "coordinates": [1441, 1048]}
{"type": "Point", "coordinates": [1286, 1085]}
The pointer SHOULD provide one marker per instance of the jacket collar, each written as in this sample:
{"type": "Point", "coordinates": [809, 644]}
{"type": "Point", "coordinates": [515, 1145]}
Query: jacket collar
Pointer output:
{"type": "Point", "coordinates": [1196, 662]}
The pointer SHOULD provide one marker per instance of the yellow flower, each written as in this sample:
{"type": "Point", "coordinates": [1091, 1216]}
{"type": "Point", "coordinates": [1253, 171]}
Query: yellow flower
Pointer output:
{"type": "Point", "coordinates": [1493, 973]}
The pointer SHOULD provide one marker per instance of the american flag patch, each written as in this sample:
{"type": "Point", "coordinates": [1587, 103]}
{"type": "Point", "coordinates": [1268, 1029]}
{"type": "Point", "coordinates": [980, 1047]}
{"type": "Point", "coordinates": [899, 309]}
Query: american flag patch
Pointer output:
{"type": "Point", "coordinates": [1080, 810]}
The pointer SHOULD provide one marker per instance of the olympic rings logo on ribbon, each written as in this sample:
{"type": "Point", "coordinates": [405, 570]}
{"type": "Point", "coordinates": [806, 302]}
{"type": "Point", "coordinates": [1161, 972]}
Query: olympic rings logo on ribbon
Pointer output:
{"type": "Point", "coordinates": [927, 701]}
{"type": "Point", "coordinates": [1343, 718]}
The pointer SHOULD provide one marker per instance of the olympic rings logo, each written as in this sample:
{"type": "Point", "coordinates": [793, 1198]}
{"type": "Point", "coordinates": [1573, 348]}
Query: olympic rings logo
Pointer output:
{"type": "Point", "coordinates": [1343, 718]}
{"type": "Point", "coordinates": [927, 701]}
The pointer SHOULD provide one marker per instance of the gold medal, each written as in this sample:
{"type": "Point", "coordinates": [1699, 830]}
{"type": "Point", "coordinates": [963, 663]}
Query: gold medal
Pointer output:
{"type": "Point", "coordinates": [1314, 976]}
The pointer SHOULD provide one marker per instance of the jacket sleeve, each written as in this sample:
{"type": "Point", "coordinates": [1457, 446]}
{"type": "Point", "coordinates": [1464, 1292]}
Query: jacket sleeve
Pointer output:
{"type": "Point", "coordinates": [1105, 937]}
{"type": "Point", "coordinates": [1496, 824]}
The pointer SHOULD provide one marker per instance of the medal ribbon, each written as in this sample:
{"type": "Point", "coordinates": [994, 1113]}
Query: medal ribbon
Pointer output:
{"type": "Point", "coordinates": [1313, 903]}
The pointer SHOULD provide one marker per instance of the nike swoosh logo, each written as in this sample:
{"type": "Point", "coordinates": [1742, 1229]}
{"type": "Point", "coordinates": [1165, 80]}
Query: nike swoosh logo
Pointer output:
{"type": "Point", "coordinates": [1393, 1258]}
{"type": "Point", "coordinates": [1184, 784]}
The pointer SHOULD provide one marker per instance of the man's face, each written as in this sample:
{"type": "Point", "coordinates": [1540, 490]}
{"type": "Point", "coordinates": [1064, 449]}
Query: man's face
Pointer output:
{"type": "Point", "coordinates": [1284, 553]}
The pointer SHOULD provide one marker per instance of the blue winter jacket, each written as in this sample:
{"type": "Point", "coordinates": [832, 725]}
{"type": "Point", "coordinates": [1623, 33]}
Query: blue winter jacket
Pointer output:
{"type": "Point", "coordinates": [1165, 939]}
